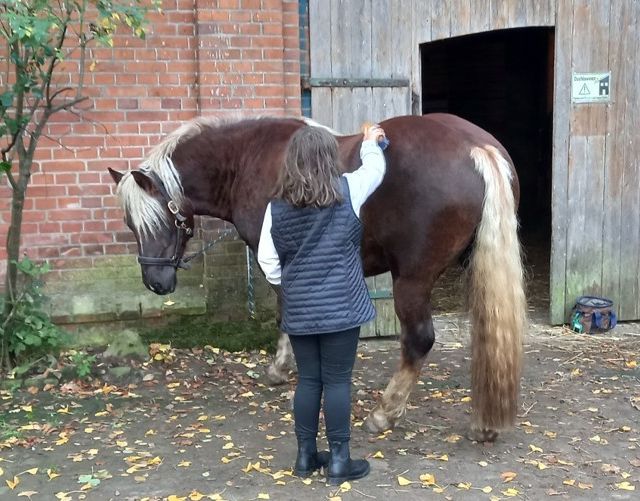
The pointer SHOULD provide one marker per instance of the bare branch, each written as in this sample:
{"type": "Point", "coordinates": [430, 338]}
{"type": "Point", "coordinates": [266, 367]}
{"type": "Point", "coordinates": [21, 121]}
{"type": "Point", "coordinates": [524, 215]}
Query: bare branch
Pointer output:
{"type": "Point", "coordinates": [12, 180]}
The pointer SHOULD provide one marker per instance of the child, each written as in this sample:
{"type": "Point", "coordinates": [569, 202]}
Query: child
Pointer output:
{"type": "Point", "coordinates": [310, 245]}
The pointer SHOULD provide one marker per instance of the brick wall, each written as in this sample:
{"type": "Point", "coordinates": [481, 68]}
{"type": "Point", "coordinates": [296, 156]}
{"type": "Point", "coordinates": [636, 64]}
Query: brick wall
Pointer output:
{"type": "Point", "coordinates": [225, 57]}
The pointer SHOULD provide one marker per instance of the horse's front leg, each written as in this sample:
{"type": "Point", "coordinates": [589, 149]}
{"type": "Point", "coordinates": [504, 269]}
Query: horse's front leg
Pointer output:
{"type": "Point", "coordinates": [414, 311]}
{"type": "Point", "coordinates": [278, 371]}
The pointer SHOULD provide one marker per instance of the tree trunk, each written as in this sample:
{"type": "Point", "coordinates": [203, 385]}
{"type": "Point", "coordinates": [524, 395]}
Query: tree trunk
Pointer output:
{"type": "Point", "coordinates": [13, 253]}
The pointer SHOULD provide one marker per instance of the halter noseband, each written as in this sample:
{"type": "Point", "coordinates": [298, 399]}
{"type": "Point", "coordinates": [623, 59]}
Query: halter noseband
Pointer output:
{"type": "Point", "coordinates": [180, 222]}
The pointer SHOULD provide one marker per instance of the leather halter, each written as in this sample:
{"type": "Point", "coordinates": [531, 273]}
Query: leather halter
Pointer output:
{"type": "Point", "coordinates": [180, 221]}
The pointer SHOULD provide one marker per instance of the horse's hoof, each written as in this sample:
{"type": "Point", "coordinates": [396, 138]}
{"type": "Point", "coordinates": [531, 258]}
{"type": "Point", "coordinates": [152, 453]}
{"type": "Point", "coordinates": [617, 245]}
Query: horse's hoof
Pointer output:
{"type": "Point", "coordinates": [276, 377]}
{"type": "Point", "coordinates": [483, 436]}
{"type": "Point", "coordinates": [377, 421]}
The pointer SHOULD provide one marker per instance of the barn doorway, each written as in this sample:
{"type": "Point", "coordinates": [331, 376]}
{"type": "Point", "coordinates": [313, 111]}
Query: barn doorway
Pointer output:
{"type": "Point", "coordinates": [503, 82]}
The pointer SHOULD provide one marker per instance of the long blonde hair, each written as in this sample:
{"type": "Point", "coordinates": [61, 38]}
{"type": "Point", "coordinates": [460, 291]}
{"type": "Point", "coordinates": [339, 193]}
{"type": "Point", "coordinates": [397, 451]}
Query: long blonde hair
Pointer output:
{"type": "Point", "coordinates": [311, 173]}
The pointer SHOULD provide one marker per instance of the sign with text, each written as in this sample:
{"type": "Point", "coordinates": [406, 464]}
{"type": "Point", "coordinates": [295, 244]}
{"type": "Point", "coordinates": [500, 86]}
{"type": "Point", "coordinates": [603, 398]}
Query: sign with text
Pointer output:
{"type": "Point", "coordinates": [591, 87]}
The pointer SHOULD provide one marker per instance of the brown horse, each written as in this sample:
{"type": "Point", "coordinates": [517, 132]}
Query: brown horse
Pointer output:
{"type": "Point", "coordinates": [450, 191]}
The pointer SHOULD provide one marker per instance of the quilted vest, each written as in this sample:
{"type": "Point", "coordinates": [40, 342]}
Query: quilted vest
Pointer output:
{"type": "Point", "coordinates": [323, 287]}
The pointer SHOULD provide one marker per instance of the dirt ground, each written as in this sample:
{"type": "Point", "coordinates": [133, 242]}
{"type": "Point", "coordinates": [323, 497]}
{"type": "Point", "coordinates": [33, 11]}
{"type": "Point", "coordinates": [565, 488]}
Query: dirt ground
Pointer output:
{"type": "Point", "coordinates": [204, 425]}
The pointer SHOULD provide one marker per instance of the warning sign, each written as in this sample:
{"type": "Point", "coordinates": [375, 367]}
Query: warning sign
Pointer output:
{"type": "Point", "coordinates": [591, 87]}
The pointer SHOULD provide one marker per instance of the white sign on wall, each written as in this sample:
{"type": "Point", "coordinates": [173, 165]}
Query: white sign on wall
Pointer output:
{"type": "Point", "coordinates": [591, 87]}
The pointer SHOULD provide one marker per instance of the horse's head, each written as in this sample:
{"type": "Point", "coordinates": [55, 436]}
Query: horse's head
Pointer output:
{"type": "Point", "coordinates": [161, 223]}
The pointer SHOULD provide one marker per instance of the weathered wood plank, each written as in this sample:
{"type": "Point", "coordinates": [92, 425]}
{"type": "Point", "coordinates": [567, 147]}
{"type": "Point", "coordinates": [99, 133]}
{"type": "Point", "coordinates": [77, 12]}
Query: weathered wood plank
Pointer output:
{"type": "Point", "coordinates": [440, 19]}
{"type": "Point", "coordinates": [630, 225]}
{"type": "Point", "coordinates": [622, 77]}
{"type": "Point", "coordinates": [421, 21]}
{"type": "Point", "coordinates": [540, 12]}
{"type": "Point", "coordinates": [585, 192]}
{"type": "Point", "coordinates": [480, 16]}
{"type": "Point", "coordinates": [517, 14]}
{"type": "Point", "coordinates": [585, 205]}
{"type": "Point", "coordinates": [559, 209]}
{"type": "Point", "coordinates": [499, 10]}
{"type": "Point", "coordinates": [320, 46]}
{"type": "Point", "coordinates": [460, 17]}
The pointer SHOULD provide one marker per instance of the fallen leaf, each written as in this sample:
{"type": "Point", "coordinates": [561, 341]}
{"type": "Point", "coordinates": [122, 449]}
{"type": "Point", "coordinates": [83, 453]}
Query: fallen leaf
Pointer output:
{"type": "Point", "coordinates": [378, 455]}
{"type": "Point", "coordinates": [13, 483]}
{"type": "Point", "coordinates": [263, 495]}
{"type": "Point", "coordinates": [508, 476]}
{"type": "Point", "coordinates": [626, 486]}
{"type": "Point", "coordinates": [486, 489]}
{"type": "Point", "coordinates": [534, 448]}
{"type": "Point", "coordinates": [427, 479]}
{"type": "Point", "coordinates": [51, 474]}
{"type": "Point", "coordinates": [569, 481]}
{"type": "Point", "coordinates": [27, 494]}
{"type": "Point", "coordinates": [464, 486]}
{"type": "Point", "coordinates": [403, 481]}
{"type": "Point", "coordinates": [511, 492]}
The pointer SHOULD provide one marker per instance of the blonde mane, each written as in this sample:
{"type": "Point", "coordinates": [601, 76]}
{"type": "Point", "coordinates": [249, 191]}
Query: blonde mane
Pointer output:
{"type": "Point", "coordinates": [147, 214]}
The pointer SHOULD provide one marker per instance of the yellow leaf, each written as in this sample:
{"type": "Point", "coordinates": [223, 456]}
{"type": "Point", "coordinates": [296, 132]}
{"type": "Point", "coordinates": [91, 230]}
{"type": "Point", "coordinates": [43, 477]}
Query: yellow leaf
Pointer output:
{"type": "Point", "coordinates": [585, 486]}
{"type": "Point", "coordinates": [427, 479]}
{"type": "Point", "coordinates": [335, 498]}
{"type": "Point", "coordinates": [195, 496]}
{"type": "Point", "coordinates": [483, 463]}
{"type": "Point", "coordinates": [184, 464]}
{"type": "Point", "coordinates": [403, 481]}
{"type": "Point", "coordinates": [173, 497]}
{"type": "Point", "coordinates": [596, 439]}
{"type": "Point", "coordinates": [271, 437]}
{"type": "Point", "coordinates": [631, 364]}
{"type": "Point", "coordinates": [486, 489]}
{"type": "Point", "coordinates": [13, 483]}
{"type": "Point", "coordinates": [226, 460]}
{"type": "Point", "coordinates": [27, 494]}
{"type": "Point", "coordinates": [263, 495]}
{"type": "Point", "coordinates": [203, 418]}
{"type": "Point", "coordinates": [550, 434]}
{"type": "Point", "coordinates": [306, 481]}
{"type": "Point", "coordinates": [121, 443]}
{"type": "Point", "coordinates": [63, 496]}
{"type": "Point", "coordinates": [51, 474]}
{"type": "Point", "coordinates": [228, 445]}
{"type": "Point", "coordinates": [453, 438]}
{"type": "Point", "coordinates": [569, 481]}
{"type": "Point", "coordinates": [150, 432]}
{"type": "Point", "coordinates": [464, 486]}
{"type": "Point", "coordinates": [345, 487]}
{"type": "Point", "coordinates": [508, 476]}
{"type": "Point", "coordinates": [378, 455]}
{"type": "Point", "coordinates": [1, 471]}
{"type": "Point", "coordinates": [27, 408]}
{"type": "Point", "coordinates": [541, 465]}
{"type": "Point", "coordinates": [511, 492]}
{"type": "Point", "coordinates": [247, 394]}
{"type": "Point", "coordinates": [101, 413]}
{"type": "Point", "coordinates": [626, 486]}
{"type": "Point", "coordinates": [625, 429]}
{"type": "Point", "coordinates": [444, 457]}
{"type": "Point", "coordinates": [534, 448]}
{"type": "Point", "coordinates": [64, 410]}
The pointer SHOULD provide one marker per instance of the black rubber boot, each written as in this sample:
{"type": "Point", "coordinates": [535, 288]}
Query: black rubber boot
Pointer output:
{"type": "Point", "coordinates": [309, 459]}
{"type": "Point", "coordinates": [342, 467]}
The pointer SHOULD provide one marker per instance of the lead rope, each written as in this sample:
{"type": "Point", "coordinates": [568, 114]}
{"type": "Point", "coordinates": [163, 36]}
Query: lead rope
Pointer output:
{"type": "Point", "coordinates": [251, 298]}
{"type": "Point", "coordinates": [221, 237]}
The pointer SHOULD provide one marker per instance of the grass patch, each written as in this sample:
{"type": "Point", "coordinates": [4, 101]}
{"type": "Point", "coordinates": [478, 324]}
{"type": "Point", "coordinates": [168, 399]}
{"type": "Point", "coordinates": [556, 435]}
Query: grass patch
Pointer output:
{"type": "Point", "coordinates": [198, 331]}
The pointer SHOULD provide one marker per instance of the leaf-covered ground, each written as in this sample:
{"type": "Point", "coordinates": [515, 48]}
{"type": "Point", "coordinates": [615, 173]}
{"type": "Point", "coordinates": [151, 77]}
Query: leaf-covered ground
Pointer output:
{"type": "Point", "coordinates": [202, 424]}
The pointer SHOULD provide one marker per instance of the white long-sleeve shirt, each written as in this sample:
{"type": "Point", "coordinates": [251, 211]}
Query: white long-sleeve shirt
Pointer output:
{"type": "Point", "coordinates": [362, 183]}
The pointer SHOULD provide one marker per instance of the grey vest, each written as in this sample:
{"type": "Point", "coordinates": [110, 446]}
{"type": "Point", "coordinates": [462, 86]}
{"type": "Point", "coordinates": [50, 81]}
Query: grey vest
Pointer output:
{"type": "Point", "coordinates": [323, 287]}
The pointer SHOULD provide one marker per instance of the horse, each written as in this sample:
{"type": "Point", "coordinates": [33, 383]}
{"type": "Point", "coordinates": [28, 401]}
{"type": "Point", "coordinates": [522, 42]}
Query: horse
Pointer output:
{"type": "Point", "coordinates": [450, 194]}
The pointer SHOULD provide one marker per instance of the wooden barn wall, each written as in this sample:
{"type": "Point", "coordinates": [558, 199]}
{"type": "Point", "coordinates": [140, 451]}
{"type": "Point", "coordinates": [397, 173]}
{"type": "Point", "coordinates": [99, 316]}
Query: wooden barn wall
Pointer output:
{"type": "Point", "coordinates": [359, 39]}
{"type": "Point", "coordinates": [596, 174]}
{"type": "Point", "coordinates": [596, 155]}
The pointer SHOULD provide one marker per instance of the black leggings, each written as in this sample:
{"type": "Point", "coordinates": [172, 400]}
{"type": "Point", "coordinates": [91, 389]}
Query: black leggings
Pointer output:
{"type": "Point", "coordinates": [325, 362]}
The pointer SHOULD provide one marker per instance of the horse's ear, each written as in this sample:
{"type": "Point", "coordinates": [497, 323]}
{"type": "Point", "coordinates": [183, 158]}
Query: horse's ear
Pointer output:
{"type": "Point", "coordinates": [143, 181]}
{"type": "Point", "coordinates": [117, 176]}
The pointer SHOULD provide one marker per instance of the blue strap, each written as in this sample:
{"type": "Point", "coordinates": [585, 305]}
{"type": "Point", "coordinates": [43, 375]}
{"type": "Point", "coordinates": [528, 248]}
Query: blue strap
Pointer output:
{"type": "Point", "coordinates": [597, 319]}
{"type": "Point", "coordinates": [613, 319]}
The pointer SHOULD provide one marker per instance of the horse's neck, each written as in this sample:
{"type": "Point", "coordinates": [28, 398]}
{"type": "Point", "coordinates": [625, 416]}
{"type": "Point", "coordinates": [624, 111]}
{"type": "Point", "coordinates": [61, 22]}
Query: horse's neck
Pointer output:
{"type": "Point", "coordinates": [230, 173]}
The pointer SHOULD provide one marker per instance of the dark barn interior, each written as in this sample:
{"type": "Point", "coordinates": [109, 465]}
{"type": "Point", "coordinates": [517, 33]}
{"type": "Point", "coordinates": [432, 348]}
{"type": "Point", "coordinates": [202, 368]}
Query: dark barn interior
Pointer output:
{"type": "Point", "coordinates": [503, 82]}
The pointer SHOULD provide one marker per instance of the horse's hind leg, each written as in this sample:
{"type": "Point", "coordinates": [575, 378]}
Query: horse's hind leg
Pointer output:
{"type": "Point", "coordinates": [412, 304]}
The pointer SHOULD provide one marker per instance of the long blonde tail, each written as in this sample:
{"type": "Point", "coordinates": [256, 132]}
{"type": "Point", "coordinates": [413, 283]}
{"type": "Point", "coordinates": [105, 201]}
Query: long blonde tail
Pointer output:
{"type": "Point", "coordinates": [497, 300]}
